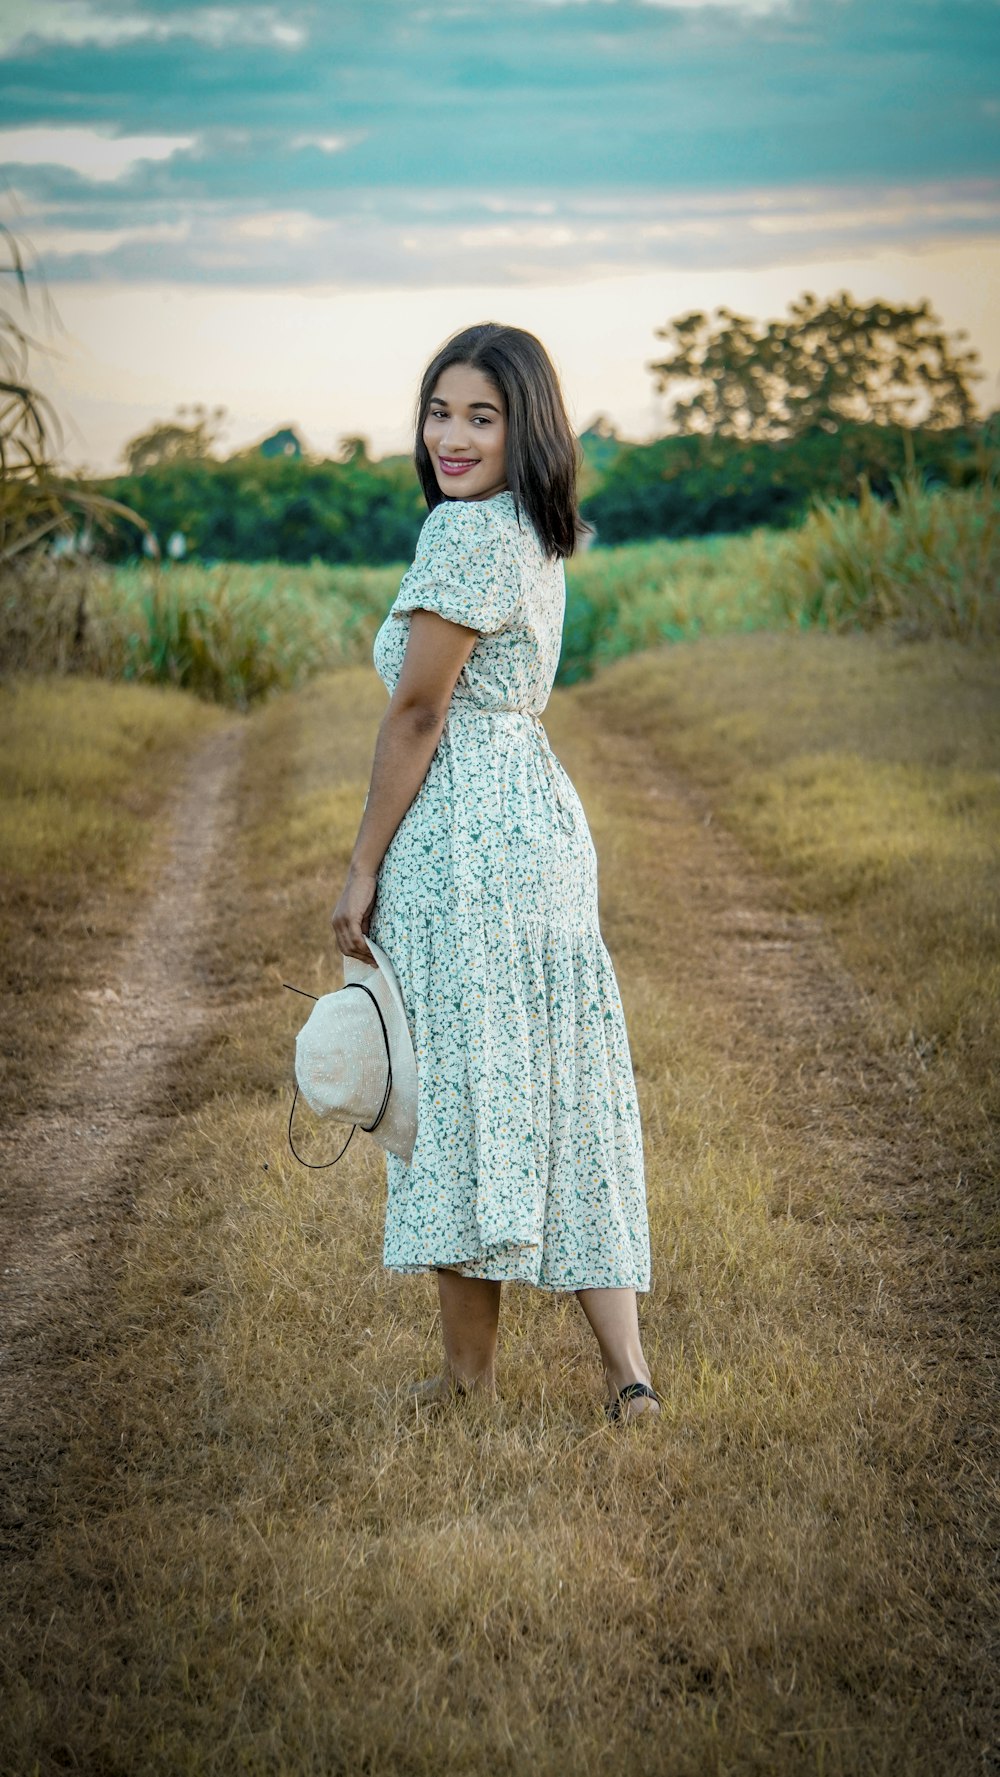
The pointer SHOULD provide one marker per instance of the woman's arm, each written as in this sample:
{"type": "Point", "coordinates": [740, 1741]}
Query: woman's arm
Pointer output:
{"type": "Point", "coordinates": [436, 651]}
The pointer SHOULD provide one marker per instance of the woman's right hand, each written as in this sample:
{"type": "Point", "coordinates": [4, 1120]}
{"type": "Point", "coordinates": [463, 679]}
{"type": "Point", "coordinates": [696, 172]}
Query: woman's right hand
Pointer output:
{"type": "Point", "coordinates": [351, 916]}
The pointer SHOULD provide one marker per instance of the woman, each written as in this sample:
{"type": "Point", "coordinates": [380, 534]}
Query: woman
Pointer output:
{"type": "Point", "coordinates": [475, 871]}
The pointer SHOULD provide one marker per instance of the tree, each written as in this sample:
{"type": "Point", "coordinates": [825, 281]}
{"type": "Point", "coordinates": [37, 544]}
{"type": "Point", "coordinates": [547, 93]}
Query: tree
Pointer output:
{"type": "Point", "coordinates": [170, 441]}
{"type": "Point", "coordinates": [37, 504]}
{"type": "Point", "coordinates": [352, 448]}
{"type": "Point", "coordinates": [829, 364]}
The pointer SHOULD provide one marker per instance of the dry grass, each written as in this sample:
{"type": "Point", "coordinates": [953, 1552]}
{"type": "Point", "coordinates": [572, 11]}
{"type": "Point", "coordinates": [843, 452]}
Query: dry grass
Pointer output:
{"type": "Point", "coordinates": [258, 1561]}
{"type": "Point", "coordinates": [866, 773]}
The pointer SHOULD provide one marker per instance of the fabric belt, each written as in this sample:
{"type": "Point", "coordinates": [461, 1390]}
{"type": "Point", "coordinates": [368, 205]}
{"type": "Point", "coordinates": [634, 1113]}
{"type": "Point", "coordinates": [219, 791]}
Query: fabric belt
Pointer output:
{"type": "Point", "coordinates": [565, 813]}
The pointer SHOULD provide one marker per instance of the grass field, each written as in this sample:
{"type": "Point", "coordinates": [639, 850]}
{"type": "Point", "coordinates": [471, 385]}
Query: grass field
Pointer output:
{"type": "Point", "coordinates": [930, 566]}
{"type": "Point", "coordinates": [256, 1559]}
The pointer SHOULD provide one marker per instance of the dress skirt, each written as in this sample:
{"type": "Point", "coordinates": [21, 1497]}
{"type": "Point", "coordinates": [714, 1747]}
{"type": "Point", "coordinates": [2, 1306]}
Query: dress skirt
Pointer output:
{"type": "Point", "coordinates": [528, 1162]}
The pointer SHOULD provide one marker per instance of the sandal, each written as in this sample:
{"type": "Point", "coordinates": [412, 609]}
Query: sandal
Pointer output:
{"type": "Point", "coordinates": [615, 1411]}
{"type": "Point", "coordinates": [434, 1391]}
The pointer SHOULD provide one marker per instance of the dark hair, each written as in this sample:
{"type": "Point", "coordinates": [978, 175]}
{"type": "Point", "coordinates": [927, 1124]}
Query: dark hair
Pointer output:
{"type": "Point", "coordinates": [542, 453]}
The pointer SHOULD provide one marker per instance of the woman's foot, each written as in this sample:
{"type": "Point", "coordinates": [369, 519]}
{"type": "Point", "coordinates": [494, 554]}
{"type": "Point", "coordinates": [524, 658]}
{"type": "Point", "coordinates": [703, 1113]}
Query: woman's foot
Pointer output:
{"type": "Point", "coordinates": [438, 1390]}
{"type": "Point", "coordinates": [431, 1391]}
{"type": "Point", "coordinates": [632, 1401]}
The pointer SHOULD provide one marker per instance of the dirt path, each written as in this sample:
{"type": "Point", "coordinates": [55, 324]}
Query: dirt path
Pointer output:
{"type": "Point", "coordinates": [800, 1019]}
{"type": "Point", "coordinates": [779, 1001]}
{"type": "Point", "coordinates": [776, 999]}
{"type": "Point", "coordinates": [774, 991]}
{"type": "Point", "coordinates": [70, 1168]}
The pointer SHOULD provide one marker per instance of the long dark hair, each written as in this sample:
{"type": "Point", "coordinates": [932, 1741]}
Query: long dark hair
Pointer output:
{"type": "Point", "coordinates": [542, 453]}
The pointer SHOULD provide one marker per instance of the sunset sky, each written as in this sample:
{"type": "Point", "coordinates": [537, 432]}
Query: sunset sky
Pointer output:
{"type": "Point", "coordinates": [284, 210]}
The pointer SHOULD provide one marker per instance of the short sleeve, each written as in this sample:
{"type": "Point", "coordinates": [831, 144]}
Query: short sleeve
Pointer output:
{"type": "Point", "coordinates": [466, 568]}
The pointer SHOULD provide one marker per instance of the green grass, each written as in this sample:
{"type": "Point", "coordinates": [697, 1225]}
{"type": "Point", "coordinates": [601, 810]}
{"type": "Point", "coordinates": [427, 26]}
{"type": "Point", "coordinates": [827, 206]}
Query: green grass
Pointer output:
{"type": "Point", "coordinates": [232, 634]}
{"type": "Point", "coordinates": [931, 566]}
{"type": "Point", "coordinates": [235, 634]}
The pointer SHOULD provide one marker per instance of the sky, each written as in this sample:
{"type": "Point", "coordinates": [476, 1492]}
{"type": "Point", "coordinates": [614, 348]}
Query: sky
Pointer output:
{"type": "Point", "coordinates": [284, 210]}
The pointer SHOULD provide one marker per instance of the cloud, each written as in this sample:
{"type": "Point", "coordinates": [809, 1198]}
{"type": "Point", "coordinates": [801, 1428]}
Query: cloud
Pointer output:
{"type": "Point", "coordinates": [79, 21]}
{"type": "Point", "coordinates": [440, 237]}
{"type": "Point", "coordinates": [384, 140]}
{"type": "Point", "coordinates": [94, 154]}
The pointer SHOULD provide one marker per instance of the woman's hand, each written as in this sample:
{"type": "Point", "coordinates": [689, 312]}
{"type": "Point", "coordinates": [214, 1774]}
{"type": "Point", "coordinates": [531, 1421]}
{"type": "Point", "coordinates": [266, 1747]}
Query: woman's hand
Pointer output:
{"type": "Point", "coordinates": [352, 913]}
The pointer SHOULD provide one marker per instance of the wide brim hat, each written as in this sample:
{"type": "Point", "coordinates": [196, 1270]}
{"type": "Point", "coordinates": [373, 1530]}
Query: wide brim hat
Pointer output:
{"type": "Point", "coordinates": [341, 1061]}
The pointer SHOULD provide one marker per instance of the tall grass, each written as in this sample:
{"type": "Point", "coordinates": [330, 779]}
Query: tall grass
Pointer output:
{"type": "Point", "coordinates": [622, 601]}
{"type": "Point", "coordinates": [231, 634]}
{"type": "Point", "coordinates": [928, 566]}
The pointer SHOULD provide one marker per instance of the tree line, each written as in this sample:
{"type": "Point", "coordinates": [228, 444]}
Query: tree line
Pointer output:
{"type": "Point", "coordinates": [762, 418]}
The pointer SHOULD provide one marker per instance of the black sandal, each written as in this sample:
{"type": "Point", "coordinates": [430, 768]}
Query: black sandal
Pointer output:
{"type": "Point", "coordinates": [614, 1409]}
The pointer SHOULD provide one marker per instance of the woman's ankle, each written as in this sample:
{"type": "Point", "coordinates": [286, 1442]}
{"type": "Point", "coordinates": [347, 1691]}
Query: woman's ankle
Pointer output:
{"type": "Point", "coordinates": [465, 1381]}
{"type": "Point", "coordinates": [618, 1376]}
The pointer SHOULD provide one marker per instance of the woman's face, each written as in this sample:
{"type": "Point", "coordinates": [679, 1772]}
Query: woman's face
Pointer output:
{"type": "Point", "coordinates": [466, 434]}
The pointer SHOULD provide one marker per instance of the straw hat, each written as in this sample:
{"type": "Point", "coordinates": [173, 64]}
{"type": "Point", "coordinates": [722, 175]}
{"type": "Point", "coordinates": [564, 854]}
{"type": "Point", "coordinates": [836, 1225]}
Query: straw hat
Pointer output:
{"type": "Point", "coordinates": [354, 1060]}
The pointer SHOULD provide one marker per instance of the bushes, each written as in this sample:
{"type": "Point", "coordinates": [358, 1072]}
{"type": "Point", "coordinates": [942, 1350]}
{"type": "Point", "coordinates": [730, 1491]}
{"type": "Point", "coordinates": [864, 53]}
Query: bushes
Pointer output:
{"type": "Point", "coordinates": [678, 487]}
{"type": "Point", "coordinates": [254, 508]}
{"type": "Point", "coordinates": [928, 566]}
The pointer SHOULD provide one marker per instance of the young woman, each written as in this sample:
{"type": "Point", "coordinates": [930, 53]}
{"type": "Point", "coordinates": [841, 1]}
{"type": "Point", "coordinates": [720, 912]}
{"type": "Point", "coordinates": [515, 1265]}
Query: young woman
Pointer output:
{"type": "Point", "coordinates": [475, 871]}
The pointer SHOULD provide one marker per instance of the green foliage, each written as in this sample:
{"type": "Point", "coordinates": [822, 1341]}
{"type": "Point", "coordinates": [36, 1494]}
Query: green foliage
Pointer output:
{"type": "Point", "coordinates": [830, 364]}
{"type": "Point", "coordinates": [926, 564]}
{"type": "Point", "coordinates": [231, 634]}
{"type": "Point", "coordinates": [678, 487]}
{"type": "Point", "coordinates": [929, 565]}
{"type": "Point", "coordinates": [623, 601]}
{"type": "Point", "coordinates": [599, 446]}
{"type": "Point", "coordinates": [252, 508]}
{"type": "Point", "coordinates": [171, 441]}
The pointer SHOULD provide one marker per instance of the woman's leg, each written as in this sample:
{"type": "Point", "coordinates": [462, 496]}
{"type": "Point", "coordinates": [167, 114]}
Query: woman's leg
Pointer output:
{"type": "Point", "coordinates": [614, 1318]}
{"type": "Point", "coordinates": [470, 1314]}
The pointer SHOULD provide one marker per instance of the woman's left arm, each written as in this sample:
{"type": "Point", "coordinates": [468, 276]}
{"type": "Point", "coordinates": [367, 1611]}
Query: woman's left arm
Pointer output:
{"type": "Point", "coordinates": [436, 652]}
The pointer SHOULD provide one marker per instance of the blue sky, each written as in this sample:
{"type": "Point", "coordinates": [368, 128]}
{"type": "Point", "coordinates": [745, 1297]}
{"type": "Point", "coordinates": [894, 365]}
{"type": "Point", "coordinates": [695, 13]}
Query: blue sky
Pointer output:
{"type": "Point", "coordinates": [353, 148]}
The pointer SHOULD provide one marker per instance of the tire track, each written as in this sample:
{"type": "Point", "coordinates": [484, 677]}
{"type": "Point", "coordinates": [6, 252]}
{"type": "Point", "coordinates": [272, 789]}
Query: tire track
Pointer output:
{"type": "Point", "coordinates": [70, 1168]}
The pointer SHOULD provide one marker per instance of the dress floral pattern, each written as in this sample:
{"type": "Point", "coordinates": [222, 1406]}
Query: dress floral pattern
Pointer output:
{"type": "Point", "coordinates": [528, 1161]}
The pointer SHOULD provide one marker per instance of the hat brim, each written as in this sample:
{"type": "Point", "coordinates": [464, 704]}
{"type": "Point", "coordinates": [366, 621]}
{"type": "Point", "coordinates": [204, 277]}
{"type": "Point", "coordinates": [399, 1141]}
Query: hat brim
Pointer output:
{"type": "Point", "coordinates": [397, 1130]}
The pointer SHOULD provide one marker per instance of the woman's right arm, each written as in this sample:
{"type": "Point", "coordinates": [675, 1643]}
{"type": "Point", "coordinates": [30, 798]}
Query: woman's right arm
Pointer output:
{"type": "Point", "coordinates": [436, 652]}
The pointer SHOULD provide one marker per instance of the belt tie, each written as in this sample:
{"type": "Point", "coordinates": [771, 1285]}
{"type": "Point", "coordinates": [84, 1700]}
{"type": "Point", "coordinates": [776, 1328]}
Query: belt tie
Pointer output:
{"type": "Point", "coordinates": [564, 814]}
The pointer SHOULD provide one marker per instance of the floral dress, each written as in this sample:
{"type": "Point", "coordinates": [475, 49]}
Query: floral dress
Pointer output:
{"type": "Point", "coordinates": [528, 1161]}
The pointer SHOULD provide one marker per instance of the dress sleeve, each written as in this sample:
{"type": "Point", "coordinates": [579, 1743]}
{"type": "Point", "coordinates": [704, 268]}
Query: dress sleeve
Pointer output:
{"type": "Point", "coordinates": [466, 568]}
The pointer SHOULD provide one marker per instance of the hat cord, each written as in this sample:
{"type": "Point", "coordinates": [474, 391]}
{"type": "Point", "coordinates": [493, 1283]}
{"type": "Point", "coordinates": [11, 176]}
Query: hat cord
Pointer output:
{"type": "Point", "coordinates": [321, 1165]}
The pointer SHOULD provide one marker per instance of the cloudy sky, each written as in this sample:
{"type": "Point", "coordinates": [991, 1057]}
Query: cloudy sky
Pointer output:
{"type": "Point", "coordinates": [285, 209]}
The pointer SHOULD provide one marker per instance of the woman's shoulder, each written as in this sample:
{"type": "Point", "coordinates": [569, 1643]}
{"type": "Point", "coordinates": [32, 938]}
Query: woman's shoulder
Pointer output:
{"type": "Point", "coordinates": [469, 516]}
{"type": "Point", "coordinates": [493, 524]}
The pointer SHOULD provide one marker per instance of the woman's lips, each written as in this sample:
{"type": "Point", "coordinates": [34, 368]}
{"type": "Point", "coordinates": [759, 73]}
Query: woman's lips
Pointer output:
{"type": "Point", "coordinates": [456, 465]}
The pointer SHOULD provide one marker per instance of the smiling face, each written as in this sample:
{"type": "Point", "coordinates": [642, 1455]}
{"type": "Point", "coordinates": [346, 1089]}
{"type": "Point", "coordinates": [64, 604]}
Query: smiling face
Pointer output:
{"type": "Point", "coordinates": [466, 434]}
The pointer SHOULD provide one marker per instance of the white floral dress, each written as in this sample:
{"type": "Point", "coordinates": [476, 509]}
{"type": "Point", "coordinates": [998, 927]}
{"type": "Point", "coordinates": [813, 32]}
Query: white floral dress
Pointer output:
{"type": "Point", "coordinates": [528, 1162]}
